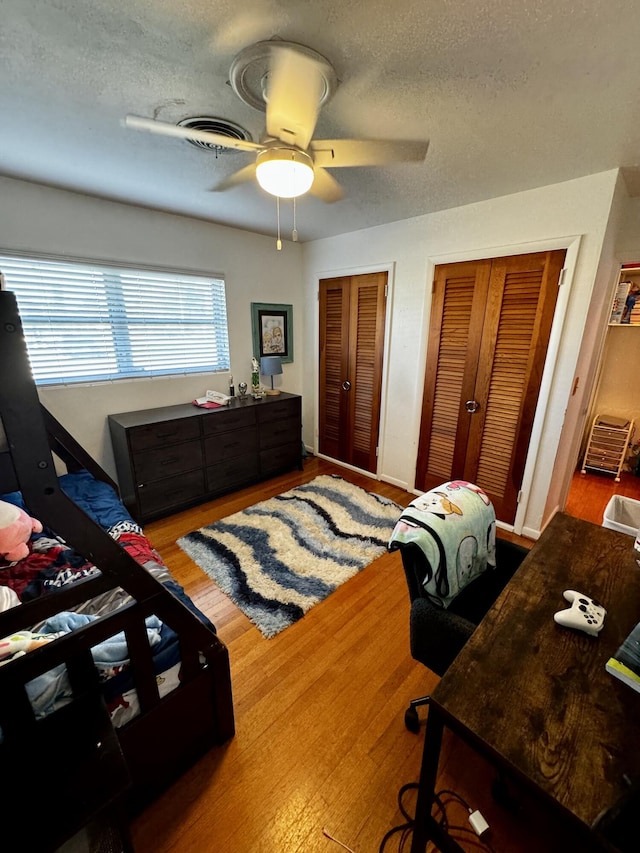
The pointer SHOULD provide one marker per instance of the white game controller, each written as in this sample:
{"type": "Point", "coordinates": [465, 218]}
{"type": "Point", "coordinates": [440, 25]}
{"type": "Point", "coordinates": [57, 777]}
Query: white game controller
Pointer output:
{"type": "Point", "coordinates": [585, 614]}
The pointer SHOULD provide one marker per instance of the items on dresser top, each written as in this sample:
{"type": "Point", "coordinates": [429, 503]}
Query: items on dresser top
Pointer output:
{"type": "Point", "coordinates": [213, 400]}
{"type": "Point", "coordinates": [177, 456]}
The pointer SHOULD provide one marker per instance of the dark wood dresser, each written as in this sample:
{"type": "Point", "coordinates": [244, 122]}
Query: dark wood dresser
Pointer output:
{"type": "Point", "coordinates": [177, 456]}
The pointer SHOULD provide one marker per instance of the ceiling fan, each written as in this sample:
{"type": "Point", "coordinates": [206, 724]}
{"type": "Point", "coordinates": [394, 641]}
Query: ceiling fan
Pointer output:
{"type": "Point", "coordinates": [289, 162]}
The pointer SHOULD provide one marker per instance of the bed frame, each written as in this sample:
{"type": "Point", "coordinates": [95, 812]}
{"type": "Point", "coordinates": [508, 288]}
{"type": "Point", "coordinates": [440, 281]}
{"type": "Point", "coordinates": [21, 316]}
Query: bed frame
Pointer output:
{"type": "Point", "coordinates": [90, 764]}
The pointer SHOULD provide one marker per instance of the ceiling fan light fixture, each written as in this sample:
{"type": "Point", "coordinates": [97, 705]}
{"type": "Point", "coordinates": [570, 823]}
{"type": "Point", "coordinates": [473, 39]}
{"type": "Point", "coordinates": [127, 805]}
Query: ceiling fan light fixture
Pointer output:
{"type": "Point", "coordinates": [284, 172]}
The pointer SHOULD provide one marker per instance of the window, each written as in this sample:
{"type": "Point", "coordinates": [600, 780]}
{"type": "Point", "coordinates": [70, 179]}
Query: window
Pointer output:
{"type": "Point", "coordinates": [86, 323]}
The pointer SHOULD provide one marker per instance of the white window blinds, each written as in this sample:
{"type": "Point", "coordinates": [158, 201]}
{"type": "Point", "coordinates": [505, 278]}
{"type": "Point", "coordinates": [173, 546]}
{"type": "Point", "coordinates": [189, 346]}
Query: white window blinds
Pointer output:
{"type": "Point", "coordinates": [86, 323]}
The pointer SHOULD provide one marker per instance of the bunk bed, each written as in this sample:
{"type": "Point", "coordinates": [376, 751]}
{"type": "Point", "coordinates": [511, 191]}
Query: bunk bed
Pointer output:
{"type": "Point", "coordinates": [115, 734]}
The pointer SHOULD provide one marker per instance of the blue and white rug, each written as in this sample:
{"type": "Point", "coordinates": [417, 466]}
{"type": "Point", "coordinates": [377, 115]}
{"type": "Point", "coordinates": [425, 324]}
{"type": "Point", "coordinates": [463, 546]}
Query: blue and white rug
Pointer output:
{"type": "Point", "coordinates": [280, 557]}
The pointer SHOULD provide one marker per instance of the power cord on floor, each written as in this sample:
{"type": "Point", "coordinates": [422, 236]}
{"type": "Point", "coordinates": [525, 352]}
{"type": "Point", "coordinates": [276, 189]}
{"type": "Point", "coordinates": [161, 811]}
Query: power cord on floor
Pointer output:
{"type": "Point", "coordinates": [403, 829]}
{"type": "Point", "coordinates": [326, 832]}
{"type": "Point", "coordinates": [442, 799]}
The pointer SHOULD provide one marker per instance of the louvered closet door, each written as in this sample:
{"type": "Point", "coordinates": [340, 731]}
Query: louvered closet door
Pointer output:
{"type": "Point", "coordinates": [497, 381]}
{"type": "Point", "coordinates": [457, 318]}
{"type": "Point", "coordinates": [352, 319]}
{"type": "Point", "coordinates": [334, 364]}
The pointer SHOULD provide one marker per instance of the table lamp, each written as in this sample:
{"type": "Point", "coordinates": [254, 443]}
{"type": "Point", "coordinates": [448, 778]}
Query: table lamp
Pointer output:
{"type": "Point", "coordinates": [270, 365]}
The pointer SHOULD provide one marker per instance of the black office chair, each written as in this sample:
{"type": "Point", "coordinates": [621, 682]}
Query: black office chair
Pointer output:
{"type": "Point", "coordinates": [438, 634]}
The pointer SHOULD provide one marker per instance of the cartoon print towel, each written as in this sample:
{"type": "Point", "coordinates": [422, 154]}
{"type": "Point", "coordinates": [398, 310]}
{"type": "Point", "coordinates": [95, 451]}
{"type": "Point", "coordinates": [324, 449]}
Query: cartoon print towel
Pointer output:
{"type": "Point", "coordinates": [455, 526]}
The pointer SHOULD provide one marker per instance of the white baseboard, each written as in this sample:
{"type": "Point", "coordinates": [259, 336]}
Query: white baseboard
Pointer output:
{"type": "Point", "coordinates": [393, 482]}
{"type": "Point", "coordinates": [348, 467]}
{"type": "Point", "coordinates": [530, 533]}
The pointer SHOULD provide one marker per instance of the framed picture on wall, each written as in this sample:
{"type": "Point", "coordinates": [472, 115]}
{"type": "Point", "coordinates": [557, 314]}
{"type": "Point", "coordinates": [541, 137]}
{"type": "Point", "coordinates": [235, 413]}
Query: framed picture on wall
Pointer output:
{"type": "Point", "coordinates": [272, 329]}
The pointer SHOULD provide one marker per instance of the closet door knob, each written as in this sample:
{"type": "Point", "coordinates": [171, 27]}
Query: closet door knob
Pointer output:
{"type": "Point", "coordinates": [346, 385]}
{"type": "Point", "coordinates": [472, 406]}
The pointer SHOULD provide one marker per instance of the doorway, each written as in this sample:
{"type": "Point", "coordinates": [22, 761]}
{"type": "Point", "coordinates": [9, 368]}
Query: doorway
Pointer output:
{"type": "Point", "coordinates": [488, 337]}
{"type": "Point", "coordinates": [352, 313]}
{"type": "Point", "coordinates": [617, 395]}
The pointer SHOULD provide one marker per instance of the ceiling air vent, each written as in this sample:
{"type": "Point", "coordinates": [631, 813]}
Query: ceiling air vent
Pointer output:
{"type": "Point", "coordinates": [215, 125]}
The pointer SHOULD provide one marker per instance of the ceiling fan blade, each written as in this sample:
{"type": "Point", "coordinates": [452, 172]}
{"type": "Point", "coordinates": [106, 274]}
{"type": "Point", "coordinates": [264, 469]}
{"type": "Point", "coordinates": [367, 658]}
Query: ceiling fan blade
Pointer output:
{"type": "Point", "coordinates": [294, 89]}
{"type": "Point", "coordinates": [325, 186]}
{"type": "Point", "coordinates": [164, 128]}
{"type": "Point", "coordinates": [337, 153]}
{"type": "Point", "coordinates": [239, 177]}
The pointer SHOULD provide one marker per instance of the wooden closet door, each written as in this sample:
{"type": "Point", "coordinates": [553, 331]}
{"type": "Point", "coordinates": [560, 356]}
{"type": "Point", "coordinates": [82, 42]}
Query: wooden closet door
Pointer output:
{"type": "Point", "coordinates": [455, 331]}
{"type": "Point", "coordinates": [497, 387]}
{"type": "Point", "coordinates": [352, 321]}
{"type": "Point", "coordinates": [334, 364]}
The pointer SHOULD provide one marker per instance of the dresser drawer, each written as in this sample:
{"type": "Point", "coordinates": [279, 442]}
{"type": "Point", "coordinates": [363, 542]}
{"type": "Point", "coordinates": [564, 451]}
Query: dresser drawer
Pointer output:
{"type": "Point", "coordinates": [282, 410]}
{"type": "Point", "coordinates": [229, 445]}
{"type": "Point", "coordinates": [232, 472]}
{"type": "Point", "coordinates": [164, 461]}
{"type": "Point", "coordinates": [281, 458]}
{"type": "Point", "coordinates": [225, 420]}
{"type": "Point", "coordinates": [280, 432]}
{"type": "Point", "coordinates": [172, 492]}
{"type": "Point", "coordinates": [161, 434]}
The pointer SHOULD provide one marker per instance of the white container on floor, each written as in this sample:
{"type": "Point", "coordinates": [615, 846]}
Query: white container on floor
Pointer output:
{"type": "Point", "coordinates": [622, 514]}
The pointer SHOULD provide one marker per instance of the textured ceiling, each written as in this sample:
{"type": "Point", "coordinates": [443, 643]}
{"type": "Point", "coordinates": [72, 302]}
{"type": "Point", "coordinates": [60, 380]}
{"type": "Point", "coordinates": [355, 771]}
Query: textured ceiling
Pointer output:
{"type": "Point", "coordinates": [511, 94]}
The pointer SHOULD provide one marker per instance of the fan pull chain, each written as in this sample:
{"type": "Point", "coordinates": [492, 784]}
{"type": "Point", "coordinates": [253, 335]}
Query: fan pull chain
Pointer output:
{"type": "Point", "coordinates": [294, 233]}
{"type": "Point", "coordinates": [278, 241]}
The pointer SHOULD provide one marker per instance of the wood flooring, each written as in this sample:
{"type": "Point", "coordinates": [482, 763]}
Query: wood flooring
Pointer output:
{"type": "Point", "coordinates": [320, 740]}
{"type": "Point", "coordinates": [590, 493]}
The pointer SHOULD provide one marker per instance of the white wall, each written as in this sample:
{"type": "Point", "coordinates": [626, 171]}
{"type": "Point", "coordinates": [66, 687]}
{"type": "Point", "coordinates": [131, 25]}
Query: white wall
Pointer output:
{"type": "Point", "coordinates": [39, 219]}
{"type": "Point", "coordinates": [574, 214]}
{"type": "Point", "coordinates": [619, 389]}
{"type": "Point", "coordinates": [628, 240]}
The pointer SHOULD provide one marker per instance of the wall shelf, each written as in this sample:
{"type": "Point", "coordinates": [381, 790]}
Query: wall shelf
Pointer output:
{"type": "Point", "coordinates": [628, 283]}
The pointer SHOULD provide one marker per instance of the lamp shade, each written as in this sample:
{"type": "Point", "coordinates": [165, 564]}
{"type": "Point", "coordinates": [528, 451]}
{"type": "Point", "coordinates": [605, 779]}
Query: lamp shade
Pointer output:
{"type": "Point", "coordinates": [284, 172]}
{"type": "Point", "coordinates": [270, 365]}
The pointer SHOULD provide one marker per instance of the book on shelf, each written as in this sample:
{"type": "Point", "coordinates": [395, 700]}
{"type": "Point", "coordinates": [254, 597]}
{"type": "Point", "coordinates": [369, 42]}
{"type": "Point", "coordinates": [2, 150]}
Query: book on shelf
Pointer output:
{"type": "Point", "coordinates": [625, 663]}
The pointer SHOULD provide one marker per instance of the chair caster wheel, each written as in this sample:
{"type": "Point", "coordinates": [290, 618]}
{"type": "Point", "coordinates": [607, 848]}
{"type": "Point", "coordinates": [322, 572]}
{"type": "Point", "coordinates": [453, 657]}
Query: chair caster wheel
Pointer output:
{"type": "Point", "coordinates": [412, 720]}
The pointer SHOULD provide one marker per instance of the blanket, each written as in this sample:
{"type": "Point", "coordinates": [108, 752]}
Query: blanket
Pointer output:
{"type": "Point", "coordinates": [52, 690]}
{"type": "Point", "coordinates": [455, 527]}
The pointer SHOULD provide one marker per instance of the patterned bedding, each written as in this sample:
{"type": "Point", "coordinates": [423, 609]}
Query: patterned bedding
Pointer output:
{"type": "Point", "coordinates": [52, 564]}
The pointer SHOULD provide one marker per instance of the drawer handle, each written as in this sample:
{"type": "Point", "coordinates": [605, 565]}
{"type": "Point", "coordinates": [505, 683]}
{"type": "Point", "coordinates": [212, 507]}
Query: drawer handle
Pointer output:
{"type": "Point", "coordinates": [167, 434]}
{"type": "Point", "coordinates": [170, 461]}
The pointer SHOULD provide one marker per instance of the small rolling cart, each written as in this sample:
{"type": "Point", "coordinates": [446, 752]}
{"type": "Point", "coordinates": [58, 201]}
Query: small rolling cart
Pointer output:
{"type": "Point", "coordinates": [607, 446]}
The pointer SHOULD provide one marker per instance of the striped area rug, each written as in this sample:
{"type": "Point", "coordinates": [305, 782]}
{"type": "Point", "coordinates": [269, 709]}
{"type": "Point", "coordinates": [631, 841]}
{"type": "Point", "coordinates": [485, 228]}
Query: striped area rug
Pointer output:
{"type": "Point", "coordinates": [280, 557]}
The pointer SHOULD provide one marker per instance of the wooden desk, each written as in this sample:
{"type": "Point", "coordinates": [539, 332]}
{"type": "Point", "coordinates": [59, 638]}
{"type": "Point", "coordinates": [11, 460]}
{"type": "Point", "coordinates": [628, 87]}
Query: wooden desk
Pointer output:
{"type": "Point", "coordinates": [534, 697]}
